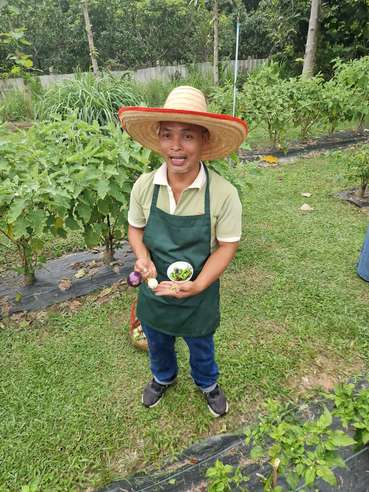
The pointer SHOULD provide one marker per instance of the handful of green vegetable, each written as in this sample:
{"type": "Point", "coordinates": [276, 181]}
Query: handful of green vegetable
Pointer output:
{"type": "Point", "coordinates": [180, 274]}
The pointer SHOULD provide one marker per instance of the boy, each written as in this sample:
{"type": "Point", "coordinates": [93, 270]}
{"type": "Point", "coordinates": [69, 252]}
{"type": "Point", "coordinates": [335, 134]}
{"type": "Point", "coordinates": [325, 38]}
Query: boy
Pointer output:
{"type": "Point", "coordinates": [182, 211]}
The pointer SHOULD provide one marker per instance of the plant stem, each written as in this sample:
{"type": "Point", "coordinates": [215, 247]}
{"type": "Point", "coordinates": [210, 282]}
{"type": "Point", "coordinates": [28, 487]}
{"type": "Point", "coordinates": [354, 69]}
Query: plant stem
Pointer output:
{"type": "Point", "coordinates": [28, 269]}
{"type": "Point", "coordinates": [109, 244]}
{"type": "Point", "coordinates": [363, 186]}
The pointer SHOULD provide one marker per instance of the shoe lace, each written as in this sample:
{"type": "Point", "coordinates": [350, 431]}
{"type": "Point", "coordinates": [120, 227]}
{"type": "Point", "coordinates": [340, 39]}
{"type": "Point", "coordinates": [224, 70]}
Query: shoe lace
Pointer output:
{"type": "Point", "coordinates": [214, 393]}
{"type": "Point", "coordinates": [156, 386]}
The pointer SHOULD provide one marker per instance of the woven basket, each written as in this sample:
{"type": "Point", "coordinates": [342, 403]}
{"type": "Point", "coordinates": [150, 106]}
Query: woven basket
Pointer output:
{"type": "Point", "coordinates": [133, 324]}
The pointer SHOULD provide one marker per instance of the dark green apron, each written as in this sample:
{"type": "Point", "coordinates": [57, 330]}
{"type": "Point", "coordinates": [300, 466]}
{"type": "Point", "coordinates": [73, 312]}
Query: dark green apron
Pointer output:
{"type": "Point", "coordinates": [171, 238]}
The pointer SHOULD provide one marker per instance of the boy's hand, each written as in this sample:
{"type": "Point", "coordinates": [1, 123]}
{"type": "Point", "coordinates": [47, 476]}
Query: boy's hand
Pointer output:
{"type": "Point", "coordinates": [177, 290]}
{"type": "Point", "coordinates": [146, 267]}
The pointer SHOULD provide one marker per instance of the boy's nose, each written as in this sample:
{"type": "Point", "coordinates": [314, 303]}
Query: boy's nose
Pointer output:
{"type": "Point", "coordinates": [176, 142]}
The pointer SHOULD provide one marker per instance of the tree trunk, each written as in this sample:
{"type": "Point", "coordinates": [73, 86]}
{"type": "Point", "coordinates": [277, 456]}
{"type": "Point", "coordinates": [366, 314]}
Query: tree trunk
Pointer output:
{"type": "Point", "coordinates": [90, 37]}
{"type": "Point", "coordinates": [312, 40]}
{"type": "Point", "coordinates": [216, 42]}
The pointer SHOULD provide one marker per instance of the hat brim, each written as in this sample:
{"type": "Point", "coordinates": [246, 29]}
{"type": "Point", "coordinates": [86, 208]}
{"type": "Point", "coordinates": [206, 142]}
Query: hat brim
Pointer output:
{"type": "Point", "coordinates": [226, 132]}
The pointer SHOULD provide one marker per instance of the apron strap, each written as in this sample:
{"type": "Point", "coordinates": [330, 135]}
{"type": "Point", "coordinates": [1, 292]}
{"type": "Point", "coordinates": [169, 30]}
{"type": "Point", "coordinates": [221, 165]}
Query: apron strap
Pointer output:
{"type": "Point", "coordinates": [154, 198]}
{"type": "Point", "coordinates": [207, 193]}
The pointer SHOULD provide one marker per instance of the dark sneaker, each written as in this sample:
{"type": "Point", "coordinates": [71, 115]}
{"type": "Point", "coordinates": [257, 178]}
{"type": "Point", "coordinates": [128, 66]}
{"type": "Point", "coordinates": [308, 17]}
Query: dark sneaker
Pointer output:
{"type": "Point", "coordinates": [217, 402]}
{"type": "Point", "coordinates": [153, 393]}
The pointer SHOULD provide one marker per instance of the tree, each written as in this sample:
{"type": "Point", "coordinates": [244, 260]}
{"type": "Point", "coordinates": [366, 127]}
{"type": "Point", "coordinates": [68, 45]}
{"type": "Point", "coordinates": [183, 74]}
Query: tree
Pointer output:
{"type": "Point", "coordinates": [215, 6]}
{"type": "Point", "coordinates": [312, 40]}
{"type": "Point", "coordinates": [17, 62]}
{"type": "Point", "coordinates": [90, 37]}
{"type": "Point", "coordinates": [216, 42]}
{"type": "Point", "coordinates": [343, 31]}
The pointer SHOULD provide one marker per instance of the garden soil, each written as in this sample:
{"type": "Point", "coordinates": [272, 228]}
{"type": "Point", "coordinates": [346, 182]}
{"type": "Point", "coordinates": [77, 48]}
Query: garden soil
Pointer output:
{"type": "Point", "coordinates": [64, 278]}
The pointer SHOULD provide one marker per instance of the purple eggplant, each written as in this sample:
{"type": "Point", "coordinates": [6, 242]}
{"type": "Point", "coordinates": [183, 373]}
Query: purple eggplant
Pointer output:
{"type": "Point", "coordinates": [134, 279]}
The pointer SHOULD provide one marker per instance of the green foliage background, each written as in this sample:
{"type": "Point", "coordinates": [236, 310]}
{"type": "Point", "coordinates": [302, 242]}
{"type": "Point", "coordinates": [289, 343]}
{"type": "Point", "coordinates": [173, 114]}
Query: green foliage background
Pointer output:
{"type": "Point", "coordinates": [129, 35]}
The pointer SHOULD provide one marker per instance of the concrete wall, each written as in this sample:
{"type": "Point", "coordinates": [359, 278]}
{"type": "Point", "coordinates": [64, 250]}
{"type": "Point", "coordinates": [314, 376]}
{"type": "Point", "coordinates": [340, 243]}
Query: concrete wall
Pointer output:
{"type": "Point", "coordinates": [142, 75]}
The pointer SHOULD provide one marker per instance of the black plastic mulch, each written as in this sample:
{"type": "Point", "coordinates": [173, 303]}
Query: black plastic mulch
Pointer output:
{"type": "Point", "coordinates": [320, 144]}
{"type": "Point", "coordinates": [188, 473]}
{"type": "Point", "coordinates": [352, 197]}
{"type": "Point", "coordinates": [46, 292]}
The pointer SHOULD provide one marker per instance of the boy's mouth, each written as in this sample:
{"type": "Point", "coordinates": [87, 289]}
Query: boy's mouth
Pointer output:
{"type": "Point", "coordinates": [177, 160]}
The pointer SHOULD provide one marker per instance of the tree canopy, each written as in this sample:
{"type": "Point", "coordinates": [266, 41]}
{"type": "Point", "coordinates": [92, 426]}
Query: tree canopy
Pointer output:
{"type": "Point", "coordinates": [131, 35]}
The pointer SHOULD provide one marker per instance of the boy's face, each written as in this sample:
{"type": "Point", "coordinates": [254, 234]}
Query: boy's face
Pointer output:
{"type": "Point", "coordinates": [181, 144]}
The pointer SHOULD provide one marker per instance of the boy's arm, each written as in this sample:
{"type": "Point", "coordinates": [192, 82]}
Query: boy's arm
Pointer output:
{"type": "Point", "coordinates": [143, 264]}
{"type": "Point", "coordinates": [216, 264]}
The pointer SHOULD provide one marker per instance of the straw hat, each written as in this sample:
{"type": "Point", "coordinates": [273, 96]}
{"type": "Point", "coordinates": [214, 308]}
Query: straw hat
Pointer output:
{"type": "Point", "coordinates": [185, 104]}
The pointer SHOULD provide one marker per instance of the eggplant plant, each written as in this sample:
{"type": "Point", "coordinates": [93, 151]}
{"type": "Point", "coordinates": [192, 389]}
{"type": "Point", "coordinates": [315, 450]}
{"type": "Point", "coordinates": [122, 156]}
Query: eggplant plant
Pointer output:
{"type": "Point", "coordinates": [33, 198]}
{"type": "Point", "coordinates": [66, 175]}
{"type": "Point", "coordinates": [357, 164]}
{"type": "Point", "coordinates": [265, 101]}
{"type": "Point", "coordinates": [103, 172]}
{"type": "Point", "coordinates": [306, 96]}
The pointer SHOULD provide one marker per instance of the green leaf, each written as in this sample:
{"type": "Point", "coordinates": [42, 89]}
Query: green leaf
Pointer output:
{"type": "Point", "coordinates": [84, 212]}
{"type": "Point", "coordinates": [365, 437]}
{"type": "Point", "coordinates": [326, 474]}
{"type": "Point", "coordinates": [37, 220]}
{"type": "Point", "coordinates": [103, 206]}
{"type": "Point", "coordinates": [18, 297]}
{"type": "Point", "coordinates": [91, 237]}
{"type": "Point", "coordinates": [16, 209]}
{"type": "Point", "coordinates": [116, 192]}
{"type": "Point", "coordinates": [102, 188]}
{"type": "Point", "coordinates": [325, 420]}
{"type": "Point", "coordinates": [292, 480]}
{"type": "Point", "coordinates": [20, 228]}
{"type": "Point", "coordinates": [256, 453]}
{"type": "Point", "coordinates": [72, 224]}
{"type": "Point", "coordinates": [37, 244]}
{"type": "Point", "coordinates": [310, 475]}
{"type": "Point", "coordinates": [340, 438]}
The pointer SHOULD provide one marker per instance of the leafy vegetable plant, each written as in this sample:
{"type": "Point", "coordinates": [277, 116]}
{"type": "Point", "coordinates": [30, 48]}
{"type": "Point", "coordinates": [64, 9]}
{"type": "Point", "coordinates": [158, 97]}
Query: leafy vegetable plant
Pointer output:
{"type": "Point", "coordinates": [299, 451]}
{"type": "Point", "coordinates": [222, 478]}
{"type": "Point", "coordinates": [352, 407]}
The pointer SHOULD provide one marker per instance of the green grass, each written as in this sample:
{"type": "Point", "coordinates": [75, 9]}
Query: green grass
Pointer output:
{"type": "Point", "coordinates": [70, 385]}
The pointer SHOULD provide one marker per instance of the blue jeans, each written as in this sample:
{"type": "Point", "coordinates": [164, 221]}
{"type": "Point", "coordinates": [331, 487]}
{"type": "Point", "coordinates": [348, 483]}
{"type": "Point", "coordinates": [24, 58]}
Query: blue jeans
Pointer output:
{"type": "Point", "coordinates": [163, 359]}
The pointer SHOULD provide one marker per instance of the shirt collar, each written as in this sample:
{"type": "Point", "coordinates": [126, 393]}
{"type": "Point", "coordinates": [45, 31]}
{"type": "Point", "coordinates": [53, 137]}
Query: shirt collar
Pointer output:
{"type": "Point", "coordinates": [160, 177]}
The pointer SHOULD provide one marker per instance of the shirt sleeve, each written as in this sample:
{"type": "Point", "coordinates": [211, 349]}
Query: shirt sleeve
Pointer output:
{"type": "Point", "coordinates": [136, 216]}
{"type": "Point", "coordinates": [229, 223]}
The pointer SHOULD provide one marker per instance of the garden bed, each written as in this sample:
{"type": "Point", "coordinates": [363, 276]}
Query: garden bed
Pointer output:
{"type": "Point", "coordinates": [188, 473]}
{"type": "Point", "coordinates": [353, 197]}
{"type": "Point", "coordinates": [313, 146]}
{"type": "Point", "coordinates": [64, 278]}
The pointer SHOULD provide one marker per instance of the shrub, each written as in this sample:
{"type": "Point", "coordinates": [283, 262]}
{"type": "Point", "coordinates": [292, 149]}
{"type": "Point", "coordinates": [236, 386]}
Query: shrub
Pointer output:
{"type": "Point", "coordinates": [16, 105]}
{"type": "Point", "coordinates": [265, 101]}
{"type": "Point", "coordinates": [354, 75]}
{"type": "Point", "coordinates": [336, 103]}
{"type": "Point", "coordinates": [92, 98]}
{"type": "Point", "coordinates": [221, 99]}
{"type": "Point", "coordinates": [154, 92]}
{"type": "Point", "coordinates": [357, 163]}
{"type": "Point", "coordinates": [305, 97]}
